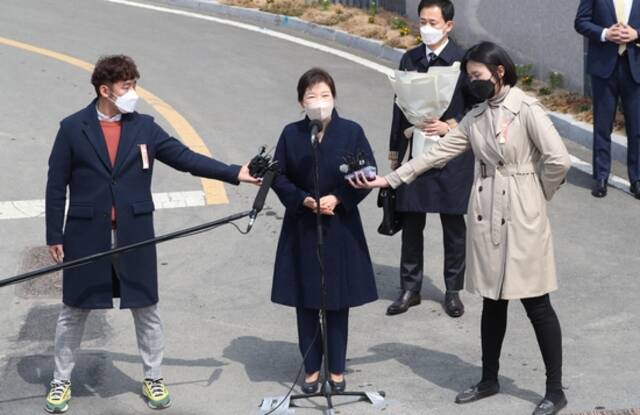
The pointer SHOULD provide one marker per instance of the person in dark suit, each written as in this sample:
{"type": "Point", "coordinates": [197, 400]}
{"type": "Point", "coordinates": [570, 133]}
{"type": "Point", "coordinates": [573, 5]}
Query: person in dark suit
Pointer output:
{"type": "Point", "coordinates": [613, 61]}
{"type": "Point", "coordinates": [104, 155]}
{"type": "Point", "coordinates": [349, 274]}
{"type": "Point", "coordinates": [444, 191]}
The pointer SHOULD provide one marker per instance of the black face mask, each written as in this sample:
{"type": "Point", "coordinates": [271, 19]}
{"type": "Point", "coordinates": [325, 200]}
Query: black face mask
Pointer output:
{"type": "Point", "coordinates": [483, 89]}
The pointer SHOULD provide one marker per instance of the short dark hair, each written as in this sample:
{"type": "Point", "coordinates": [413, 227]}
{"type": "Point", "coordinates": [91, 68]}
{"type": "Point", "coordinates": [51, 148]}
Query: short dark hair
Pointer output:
{"type": "Point", "coordinates": [446, 6]}
{"type": "Point", "coordinates": [313, 77]}
{"type": "Point", "coordinates": [113, 68]}
{"type": "Point", "coordinates": [492, 56]}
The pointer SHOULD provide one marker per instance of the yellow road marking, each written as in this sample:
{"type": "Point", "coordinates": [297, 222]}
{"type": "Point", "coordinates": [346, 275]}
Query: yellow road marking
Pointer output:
{"type": "Point", "coordinates": [214, 191]}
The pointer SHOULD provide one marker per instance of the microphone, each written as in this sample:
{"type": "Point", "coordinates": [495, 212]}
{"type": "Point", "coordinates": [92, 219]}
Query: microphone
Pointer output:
{"type": "Point", "coordinates": [316, 127]}
{"type": "Point", "coordinates": [258, 202]}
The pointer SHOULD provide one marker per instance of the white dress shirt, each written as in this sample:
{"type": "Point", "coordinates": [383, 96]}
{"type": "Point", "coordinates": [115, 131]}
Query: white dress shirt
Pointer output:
{"type": "Point", "coordinates": [103, 117]}
{"type": "Point", "coordinates": [438, 51]}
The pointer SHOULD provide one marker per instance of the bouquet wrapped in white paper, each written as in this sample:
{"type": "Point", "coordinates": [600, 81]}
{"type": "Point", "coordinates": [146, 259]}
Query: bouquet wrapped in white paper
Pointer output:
{"type": "Point", "coordinates": [424, 96]}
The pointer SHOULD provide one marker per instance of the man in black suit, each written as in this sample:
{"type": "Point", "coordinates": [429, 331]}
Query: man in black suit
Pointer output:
{"type": "Point", "coordinates": [613, 62]}
{"type": "Point", "coordinates": [444, 191]}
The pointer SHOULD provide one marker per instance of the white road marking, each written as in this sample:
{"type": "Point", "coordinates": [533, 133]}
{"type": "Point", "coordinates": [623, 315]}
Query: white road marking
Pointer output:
{"type": "Point", "coordinates": [273, 33]}
{"type": "Point", "coordinates": [25, 209]}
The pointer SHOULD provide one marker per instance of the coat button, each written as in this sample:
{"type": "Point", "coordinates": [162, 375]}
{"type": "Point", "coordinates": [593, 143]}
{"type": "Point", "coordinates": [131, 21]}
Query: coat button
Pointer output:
{"type": "Point", "coordinates": [504, 192]}
{"type": "Point", "coordinates": [480, 189]}
{"type": "Point", "coordinates": [113, 182]}
{"type": "Point", "coordinates": [504, 221]}
{"type": "Point", "coordinates": [500, 163]}
{"type": "Point", "coordinates": [479, 218]}
{"type": "Point", "coordinates": [106, 215]}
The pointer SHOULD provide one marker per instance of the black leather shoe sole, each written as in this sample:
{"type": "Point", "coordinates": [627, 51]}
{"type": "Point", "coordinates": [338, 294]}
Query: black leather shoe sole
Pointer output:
{"type": "Point", "coordinates": [600, 190]}
{"type": "Point", "coordinates": [395, 309]}
{"type": "Point", "coordinates": [453, 307]}
{"type": "Point", "coordinates": [474, 394]}
{"type": "Point", "coordinates": [635, 190]}
{"type": "Point", "coordinates": [547, 407]}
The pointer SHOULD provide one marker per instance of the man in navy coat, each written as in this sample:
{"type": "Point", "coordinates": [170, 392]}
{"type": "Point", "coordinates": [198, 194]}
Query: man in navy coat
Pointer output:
{"type": "Point", "coordinates": [104, 155]}
{"type": "Point", "coordinates": [613, 61]}
{"type": "Point", "coordinates": [444, 191]}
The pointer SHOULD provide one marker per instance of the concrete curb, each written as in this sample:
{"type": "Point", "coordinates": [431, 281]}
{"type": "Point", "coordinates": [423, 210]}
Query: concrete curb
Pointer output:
{"type": "Point", "coordinates": [582, 133]}
{"type": "Point", "coordinates": [568, 127]}
{"type": "Point", "coordinates": [369, 46]}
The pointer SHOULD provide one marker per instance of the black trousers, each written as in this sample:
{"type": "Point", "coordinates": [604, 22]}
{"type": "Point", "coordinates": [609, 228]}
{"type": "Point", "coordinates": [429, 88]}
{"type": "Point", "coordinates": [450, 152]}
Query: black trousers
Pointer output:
{"type": "Point", "coordinates": [547, 329]}
{"type": "Point", "coordinates": [337, 332]}
{"type": "Point", "coordinates": [606, 95]}
{"type": "Point", "coordinates": [454, 232]}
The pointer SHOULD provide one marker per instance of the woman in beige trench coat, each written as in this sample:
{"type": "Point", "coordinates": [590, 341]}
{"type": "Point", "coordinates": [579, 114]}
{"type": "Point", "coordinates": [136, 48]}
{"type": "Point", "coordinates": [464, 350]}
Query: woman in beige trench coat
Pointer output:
{"type": "Point", "coordinates": [521, 162]}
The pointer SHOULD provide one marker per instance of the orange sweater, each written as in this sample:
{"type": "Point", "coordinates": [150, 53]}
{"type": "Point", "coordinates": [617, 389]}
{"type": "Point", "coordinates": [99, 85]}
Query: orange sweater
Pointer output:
{"type": "Point", "coordinates": [111, 131]}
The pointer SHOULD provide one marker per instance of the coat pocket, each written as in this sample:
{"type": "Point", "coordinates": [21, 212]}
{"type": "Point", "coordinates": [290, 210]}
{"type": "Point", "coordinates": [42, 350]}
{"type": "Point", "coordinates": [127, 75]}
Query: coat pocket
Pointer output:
{"type": "Point", "coordinates": [79, 211]}
{"type": "Point", "coordinates": [140, 208]}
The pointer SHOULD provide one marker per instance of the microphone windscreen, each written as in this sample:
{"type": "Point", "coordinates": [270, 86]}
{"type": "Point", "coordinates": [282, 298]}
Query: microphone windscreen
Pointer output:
{"type": "Point", "coordinates": [316, 125]}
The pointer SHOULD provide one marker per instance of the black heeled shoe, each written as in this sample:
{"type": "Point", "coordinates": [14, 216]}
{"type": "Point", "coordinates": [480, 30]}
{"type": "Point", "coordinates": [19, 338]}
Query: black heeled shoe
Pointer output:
{"type": "Point", "coordinates": [311, 387]}
{"type": "Point", "coordinates": [480, 391]}
{"type": "Point", "coordinates": [338, 386]}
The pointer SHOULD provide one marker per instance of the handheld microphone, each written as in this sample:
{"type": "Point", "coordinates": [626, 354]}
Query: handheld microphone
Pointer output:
{"type": "Point", "coordinates": [316, 127]}
{"type": "Point", "coordinates": [258, 202]}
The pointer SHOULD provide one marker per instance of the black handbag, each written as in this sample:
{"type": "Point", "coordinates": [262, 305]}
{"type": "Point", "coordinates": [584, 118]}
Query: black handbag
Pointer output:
{"type": "Point", "coordinates": [391, 220]}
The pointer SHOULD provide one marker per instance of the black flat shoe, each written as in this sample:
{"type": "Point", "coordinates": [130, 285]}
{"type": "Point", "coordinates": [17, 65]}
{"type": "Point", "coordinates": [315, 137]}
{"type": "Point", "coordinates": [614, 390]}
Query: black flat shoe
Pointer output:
{"type": "Point", "coordinates": [338, 386]}
{"type": "Point", "coordinates": [312, 387]}
{"type": "Point", "coordinates": [480, 391]}
{"type": "Point", "coordinates": [453, 305]}
{"type": "Point", "coordinates": [407, 299]}
{"type": "Point", "coordinates": [546, 407]}
{"type": "Point", "coordinates": [635, 189]}
{"type": "Point", "coordinates": [600, 189]}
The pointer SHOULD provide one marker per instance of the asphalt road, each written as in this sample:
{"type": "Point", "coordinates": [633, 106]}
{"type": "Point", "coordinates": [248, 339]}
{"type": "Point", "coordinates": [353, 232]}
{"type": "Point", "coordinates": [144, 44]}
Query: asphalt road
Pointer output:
{"type": "Point", "coordinates": [227, 344]}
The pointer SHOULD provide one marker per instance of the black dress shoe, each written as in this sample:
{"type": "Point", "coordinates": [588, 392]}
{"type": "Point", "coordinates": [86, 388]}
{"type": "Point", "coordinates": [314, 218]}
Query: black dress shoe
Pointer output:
{"type": "Point", "coordinates": [546, 407]}
{"type": "Point", "coordinates": [600, 189]}
{"type": "Point", "coordinates": [453, 305]}
{"type": "Point", "coordinates": [635, 189]}
{"type": "Point", "coordinates": [338, 386]}
{"type": "Point", "coordinates": [311, 387]}
{"type": "Point", "coordinates": [480, 391]}
{"type": "Point", "coordinates": [407, 299]}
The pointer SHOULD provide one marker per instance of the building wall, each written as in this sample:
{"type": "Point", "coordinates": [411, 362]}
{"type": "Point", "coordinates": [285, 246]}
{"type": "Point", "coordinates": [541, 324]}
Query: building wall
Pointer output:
{"type": "Point", "coordinates": [539, 32]}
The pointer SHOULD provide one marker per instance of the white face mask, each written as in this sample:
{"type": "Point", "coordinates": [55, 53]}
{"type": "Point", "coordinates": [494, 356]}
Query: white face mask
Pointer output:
{"type": "Point", "coordinates": [127, 103]}
{"type": "Point", "coordinates": [319, 110]}
{"type": "Point", "coordinates": [430, 35]}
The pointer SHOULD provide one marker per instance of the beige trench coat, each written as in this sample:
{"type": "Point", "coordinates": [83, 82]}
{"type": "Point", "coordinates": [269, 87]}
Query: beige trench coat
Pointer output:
{"type": "Point", "coordinates": [509, 243]}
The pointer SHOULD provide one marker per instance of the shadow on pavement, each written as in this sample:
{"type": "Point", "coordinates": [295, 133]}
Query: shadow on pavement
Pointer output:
{"type": "Point", "coordinates": [442, 369]}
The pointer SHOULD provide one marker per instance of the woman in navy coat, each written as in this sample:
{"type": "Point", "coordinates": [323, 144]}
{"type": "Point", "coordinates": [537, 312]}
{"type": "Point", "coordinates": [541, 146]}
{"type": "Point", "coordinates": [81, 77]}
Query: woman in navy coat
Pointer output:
{"type": "Point", "coordinates": [349, 274]}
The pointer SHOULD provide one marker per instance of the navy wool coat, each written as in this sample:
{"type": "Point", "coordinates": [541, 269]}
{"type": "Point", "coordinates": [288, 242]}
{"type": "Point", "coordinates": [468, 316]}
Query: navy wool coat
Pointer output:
{"type": "Point", "coordinates": [349, 274]}
{"type": "Point", "coordinates": [443, 190]}
{"type": "Point", "coordinates": [79, 161]}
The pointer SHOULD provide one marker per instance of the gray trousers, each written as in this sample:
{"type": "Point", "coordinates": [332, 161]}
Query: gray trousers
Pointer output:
{"type": "Point", "coordinates": [70, 327]}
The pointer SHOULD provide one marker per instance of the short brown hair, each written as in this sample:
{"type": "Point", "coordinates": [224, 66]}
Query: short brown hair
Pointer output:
{"type": "Point", "coordinates": [113, 68]}
{"type": "Point", "coordinates": [313, 77]}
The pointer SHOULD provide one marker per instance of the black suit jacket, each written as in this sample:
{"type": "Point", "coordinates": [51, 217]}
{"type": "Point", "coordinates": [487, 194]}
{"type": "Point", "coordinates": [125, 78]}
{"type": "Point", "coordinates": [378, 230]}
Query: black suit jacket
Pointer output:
{"type": "Point", "coordinates": [438, 190]}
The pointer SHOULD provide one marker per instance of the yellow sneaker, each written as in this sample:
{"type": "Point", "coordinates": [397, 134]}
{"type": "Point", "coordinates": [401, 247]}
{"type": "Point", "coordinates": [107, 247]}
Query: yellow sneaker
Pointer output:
{"type": "Point", "coordinates": [58, 397]}
{"type": "Point", "coordinates": [156, 394]}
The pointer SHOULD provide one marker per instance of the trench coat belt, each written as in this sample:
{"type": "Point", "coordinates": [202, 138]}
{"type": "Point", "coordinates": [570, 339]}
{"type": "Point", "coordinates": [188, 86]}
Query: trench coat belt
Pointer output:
{"type": "Point", "coordinates": [500, 174]}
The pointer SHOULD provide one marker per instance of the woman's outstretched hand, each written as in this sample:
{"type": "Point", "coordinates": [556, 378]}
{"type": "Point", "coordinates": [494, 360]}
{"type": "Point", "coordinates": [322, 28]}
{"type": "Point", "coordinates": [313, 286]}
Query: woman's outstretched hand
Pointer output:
{"type": "Point", "coordinates": [360, 182]}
